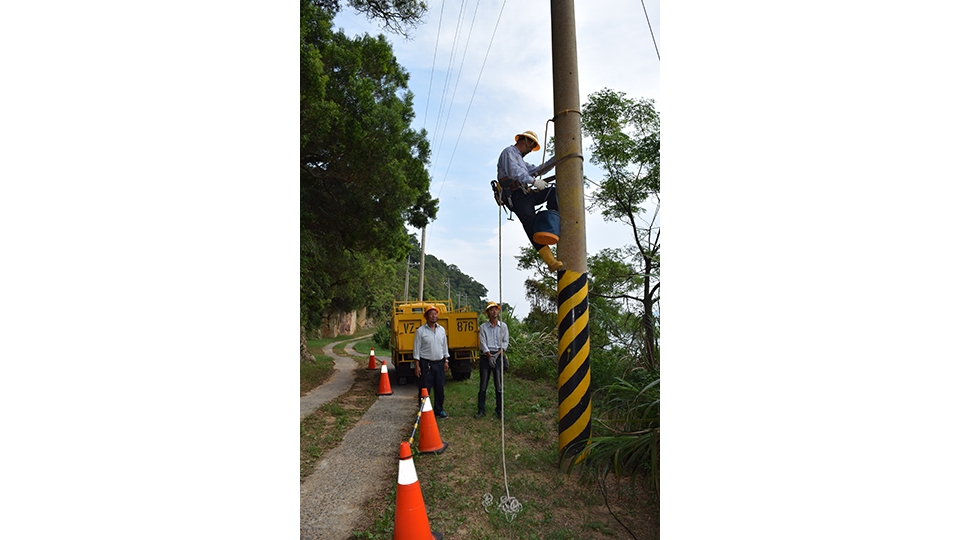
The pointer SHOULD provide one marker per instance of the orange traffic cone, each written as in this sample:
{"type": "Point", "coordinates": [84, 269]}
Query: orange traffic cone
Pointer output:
{"type": "Point", "coordinates": [429, 434]}
{"type": "Point", "coordinates": [385, 389]}
{"type": "Point", "coordinates": [373, 360]}
{"type": "Point", "coordinates": [411, 520]}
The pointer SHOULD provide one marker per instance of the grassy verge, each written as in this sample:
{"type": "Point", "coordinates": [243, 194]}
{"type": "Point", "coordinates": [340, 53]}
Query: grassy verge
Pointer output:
{"type": "Point", "coordinates": [325, 428]}
{"type": "Point", "coordinates": [312, 374]}
{"type": "Point", "coordinates": [361, 347]}
{"type": "Point", "coordinates": [554, 505]}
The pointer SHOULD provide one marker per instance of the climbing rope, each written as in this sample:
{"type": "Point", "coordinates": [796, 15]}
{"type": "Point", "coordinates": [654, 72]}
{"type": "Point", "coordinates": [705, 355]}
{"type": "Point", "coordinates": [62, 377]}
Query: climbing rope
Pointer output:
{"type": "Point", "coordinates": [508, 505]}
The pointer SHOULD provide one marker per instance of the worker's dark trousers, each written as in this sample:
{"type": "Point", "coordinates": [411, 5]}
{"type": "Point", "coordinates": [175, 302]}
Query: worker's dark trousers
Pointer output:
{"type": "Point", "coordinates": [485, 371]}
{"type": "Point", "coordinates": [525, 207]}
{"type": "Point", "coordinates": [432, 376]}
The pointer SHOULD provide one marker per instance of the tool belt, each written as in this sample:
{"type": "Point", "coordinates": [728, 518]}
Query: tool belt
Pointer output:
{"type": "Point", "coordinates": [503, 190]}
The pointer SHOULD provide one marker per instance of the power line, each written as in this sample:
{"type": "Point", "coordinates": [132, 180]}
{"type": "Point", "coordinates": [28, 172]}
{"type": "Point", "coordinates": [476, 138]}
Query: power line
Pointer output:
{"type": "Point", "coordinates": [651, 29]}
{"type": "Point", "coordinates": [477, 85]}
{"type": "Point", "coordinates": [446, 80]}
{"type": "Point", "coordinates": [435, 47]}
{"type": "Point", "coordinates": [456, 83]}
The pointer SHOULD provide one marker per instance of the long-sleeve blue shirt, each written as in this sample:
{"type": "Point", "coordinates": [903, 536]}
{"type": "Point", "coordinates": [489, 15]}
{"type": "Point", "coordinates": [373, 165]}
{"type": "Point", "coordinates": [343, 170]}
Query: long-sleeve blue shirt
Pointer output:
{"type": "Point", "coordinates": [493, 338]}
{"type": "Point", "coordinates": [511, 165]}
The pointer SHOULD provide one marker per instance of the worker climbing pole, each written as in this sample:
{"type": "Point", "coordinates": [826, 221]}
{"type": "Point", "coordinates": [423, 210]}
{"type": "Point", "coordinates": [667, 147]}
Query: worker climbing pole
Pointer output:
{"type": "Point", "coordinates": [573, 381]}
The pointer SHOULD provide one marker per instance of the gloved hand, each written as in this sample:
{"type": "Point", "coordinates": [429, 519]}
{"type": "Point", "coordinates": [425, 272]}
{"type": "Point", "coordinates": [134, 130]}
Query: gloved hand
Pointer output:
{"type": "Point", "coordinates": [539, 184]}
{"type": "Point", "coordinates": [493, 361]}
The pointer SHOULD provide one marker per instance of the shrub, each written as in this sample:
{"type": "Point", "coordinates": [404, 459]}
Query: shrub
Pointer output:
{"type": "Point", "coordinates": [382, 337]}
{"type": "Point", "coordinates": [533, 355]}
{"type": "Point", "coordinates": [626, 437]}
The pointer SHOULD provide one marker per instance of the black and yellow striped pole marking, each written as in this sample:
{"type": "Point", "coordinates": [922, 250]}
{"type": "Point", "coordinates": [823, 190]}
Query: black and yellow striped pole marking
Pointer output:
{"type": "Point", "coordinates": [573, 384]}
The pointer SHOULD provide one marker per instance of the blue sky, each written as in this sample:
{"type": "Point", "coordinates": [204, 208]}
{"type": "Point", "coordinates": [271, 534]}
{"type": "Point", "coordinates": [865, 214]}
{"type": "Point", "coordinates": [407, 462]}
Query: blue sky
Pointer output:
{"type": "Point", "coordinates": [469, 124]}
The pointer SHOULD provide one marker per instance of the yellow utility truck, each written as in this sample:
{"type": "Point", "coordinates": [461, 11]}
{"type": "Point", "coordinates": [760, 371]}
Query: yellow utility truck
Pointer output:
{"type": "Point", "coordinates": [463, 338]}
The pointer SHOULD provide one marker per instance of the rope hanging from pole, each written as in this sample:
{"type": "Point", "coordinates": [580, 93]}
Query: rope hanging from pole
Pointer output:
{"type": "Point", "coordinates": [509, 506]}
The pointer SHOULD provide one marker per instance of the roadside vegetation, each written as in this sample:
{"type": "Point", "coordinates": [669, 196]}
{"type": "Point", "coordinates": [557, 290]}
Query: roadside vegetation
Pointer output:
{"type": "Point", "coordinates": [312, 374]}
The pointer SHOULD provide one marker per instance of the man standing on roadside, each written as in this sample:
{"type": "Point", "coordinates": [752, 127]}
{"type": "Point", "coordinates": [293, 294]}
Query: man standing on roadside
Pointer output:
{"type": "Point", "coordinates": [431, 358]}
{"type": "Point", "coordinates": [494, 338]}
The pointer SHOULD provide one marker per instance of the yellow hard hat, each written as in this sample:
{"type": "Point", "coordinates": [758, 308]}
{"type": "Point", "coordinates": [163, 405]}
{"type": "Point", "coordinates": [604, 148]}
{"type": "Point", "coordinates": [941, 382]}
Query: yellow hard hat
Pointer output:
{"type": "Point", "coordinates": [530, 135]}
{"type": "Point", "coordinates": [490, 305]}
{"type": "Point", "coordinates": [431, 306]}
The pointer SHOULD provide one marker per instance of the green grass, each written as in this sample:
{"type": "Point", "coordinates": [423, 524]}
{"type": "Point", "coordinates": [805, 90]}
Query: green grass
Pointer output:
{"type": "Point", "coordinates": [312, 374]}
{"type": "Point", "coordinates": [555, 505]}
{"type": "Point", "coordinates": [325, 428]}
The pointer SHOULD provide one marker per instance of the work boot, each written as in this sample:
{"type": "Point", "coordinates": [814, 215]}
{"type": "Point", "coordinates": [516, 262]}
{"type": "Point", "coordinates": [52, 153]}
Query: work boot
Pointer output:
{"type": "Point", "coordinates": [480, 414]}
{"type": "Point", "coordinates": [552, 263]}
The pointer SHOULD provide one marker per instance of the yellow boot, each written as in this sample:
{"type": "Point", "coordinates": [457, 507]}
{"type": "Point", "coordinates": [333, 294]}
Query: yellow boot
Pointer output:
{"type": "Point", "coordinates": [547, 256]}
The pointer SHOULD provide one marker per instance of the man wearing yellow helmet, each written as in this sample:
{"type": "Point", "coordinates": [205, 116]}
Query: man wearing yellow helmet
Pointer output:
{"type": "Point", "coordinates": [494, 338]}
{"type": "Point", "coordinates": [517, 176]}
{"type": "Point", "coordinates": [431, 357]}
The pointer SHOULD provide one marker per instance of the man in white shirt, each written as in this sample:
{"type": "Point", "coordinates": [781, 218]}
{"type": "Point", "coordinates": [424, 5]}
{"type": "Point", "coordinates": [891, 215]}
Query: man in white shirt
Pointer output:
{"type": "Point", "coordinates": [431, 358]}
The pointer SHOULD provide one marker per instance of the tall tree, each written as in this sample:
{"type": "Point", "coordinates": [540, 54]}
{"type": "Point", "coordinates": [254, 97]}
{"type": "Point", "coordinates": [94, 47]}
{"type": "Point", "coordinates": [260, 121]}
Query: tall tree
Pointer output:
{"type": "Point", "coordinates": [625, 143]}
{"type": "Point", "coordinates": [363, 175]}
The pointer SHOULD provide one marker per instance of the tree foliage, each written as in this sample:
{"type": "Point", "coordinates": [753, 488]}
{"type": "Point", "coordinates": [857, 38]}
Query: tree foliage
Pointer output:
{"type": "Point", "coordinates": [363, 175]}
{"type": "Point", "coordinates": [625, 135]}
{"type": "Point", "coordinates": [396, 16]}
{"type": "Point", "coordinates": [540, 291]}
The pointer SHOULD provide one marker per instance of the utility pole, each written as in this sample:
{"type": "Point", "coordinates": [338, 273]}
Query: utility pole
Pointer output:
{"type": "Point", "coordinates": [423, 249]}
{"type": "Point", "coordinates": [573, 382]}
{"type": "Point", "coordinates": [406, 282]}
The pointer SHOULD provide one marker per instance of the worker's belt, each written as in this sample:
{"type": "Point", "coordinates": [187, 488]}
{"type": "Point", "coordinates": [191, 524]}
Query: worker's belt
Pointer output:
{"type": "Point", "coordinates": [431, 361]}
{"type": "Point", "coordinates": [513, 185]}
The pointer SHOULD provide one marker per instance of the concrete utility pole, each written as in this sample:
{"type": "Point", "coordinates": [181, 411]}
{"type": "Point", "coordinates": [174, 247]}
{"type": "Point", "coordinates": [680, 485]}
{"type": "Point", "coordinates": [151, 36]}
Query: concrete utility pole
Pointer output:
{"type": "Point", "coordinates": [573, 383]}
{"type": "Point", "coordinates": [423, 249]}
{"type": "Point", "coordinates": [406, 282]}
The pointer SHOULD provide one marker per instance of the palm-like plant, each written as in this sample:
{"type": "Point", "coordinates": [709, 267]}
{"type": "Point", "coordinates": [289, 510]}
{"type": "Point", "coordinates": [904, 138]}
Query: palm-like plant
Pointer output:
{"type": "Point", "coordinates": [628, 440]}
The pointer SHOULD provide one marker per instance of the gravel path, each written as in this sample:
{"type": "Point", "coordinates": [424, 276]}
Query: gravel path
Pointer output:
{"type": "Point", "coordinates": [367, 458]}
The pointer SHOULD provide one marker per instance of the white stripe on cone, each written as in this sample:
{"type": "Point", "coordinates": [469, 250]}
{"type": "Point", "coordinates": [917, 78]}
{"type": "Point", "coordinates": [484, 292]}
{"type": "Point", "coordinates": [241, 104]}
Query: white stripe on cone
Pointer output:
{"type": "Point", "coordinates": [408, 473]}
{"type": "Point", "coordinates": [427, 406]}
{"type": "Point", "coordinates": [383, 368]}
